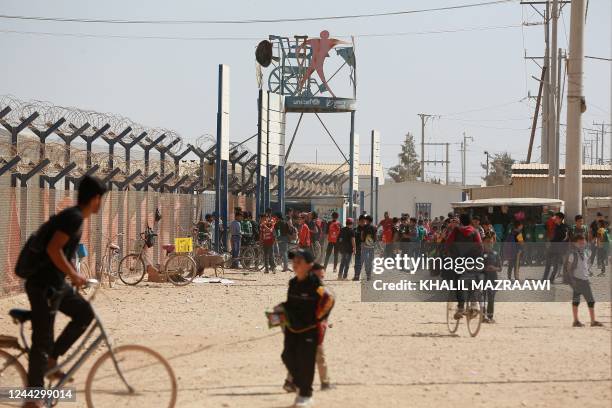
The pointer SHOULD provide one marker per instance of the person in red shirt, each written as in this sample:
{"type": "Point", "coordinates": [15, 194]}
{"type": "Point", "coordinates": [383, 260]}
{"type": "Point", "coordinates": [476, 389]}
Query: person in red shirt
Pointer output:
{"type": "Point", "coordinates": [333, 232]}
{"type": "Point", "coordinates": [463, 241]}
{"type": "Point", "coordinates": [387, 236]}
{"type": "Point", "coordinates": [303, 232]}
{"type": "Point", "coordinates": [550, 226]}
{"type": "Point", "coordinates": [267, 237]}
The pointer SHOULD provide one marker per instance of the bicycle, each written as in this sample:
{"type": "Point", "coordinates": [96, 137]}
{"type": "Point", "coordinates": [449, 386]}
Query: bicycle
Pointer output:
{"type": "Point", "coordinates": [129, 375]}
{"type": "Point", "coordinates": [108, 268]}
{"type": "Point", "coordinates": [473, 312]}
{"type": "Point", "coordinates": [180, 268]}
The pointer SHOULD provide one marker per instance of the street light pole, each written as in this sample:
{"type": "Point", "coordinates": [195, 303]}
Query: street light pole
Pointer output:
{"type": "Point", "coordinates": [487, 169]}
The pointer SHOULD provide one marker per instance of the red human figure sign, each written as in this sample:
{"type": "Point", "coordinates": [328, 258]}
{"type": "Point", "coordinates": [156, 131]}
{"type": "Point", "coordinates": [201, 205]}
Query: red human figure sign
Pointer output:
{"type": "Point", "coordinates": [320, 50]}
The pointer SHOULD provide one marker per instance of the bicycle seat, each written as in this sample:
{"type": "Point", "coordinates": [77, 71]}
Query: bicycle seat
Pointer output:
{"type": "Point", "coordinates": [169, 248]}
{"type": "Point", "coordinates": [21, 315]}
{"type": "Point", "coordinates": [114, 246]}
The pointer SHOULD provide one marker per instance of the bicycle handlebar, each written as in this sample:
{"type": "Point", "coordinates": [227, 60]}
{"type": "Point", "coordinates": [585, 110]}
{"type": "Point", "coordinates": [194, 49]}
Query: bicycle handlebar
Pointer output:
{"type": "Point", "coordinates": [56, 297]}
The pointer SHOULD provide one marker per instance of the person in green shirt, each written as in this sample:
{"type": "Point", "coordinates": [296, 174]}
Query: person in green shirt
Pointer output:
{"type": "Point", "coordinates": [246, 228]}
{"type": "Point", "coordinates": [578, 228]}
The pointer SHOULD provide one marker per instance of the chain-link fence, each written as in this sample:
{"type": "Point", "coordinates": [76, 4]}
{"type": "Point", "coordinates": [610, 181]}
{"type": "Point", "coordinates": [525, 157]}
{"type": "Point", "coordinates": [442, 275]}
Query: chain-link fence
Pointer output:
{"type": "Point", "coordinates": [123, 216]}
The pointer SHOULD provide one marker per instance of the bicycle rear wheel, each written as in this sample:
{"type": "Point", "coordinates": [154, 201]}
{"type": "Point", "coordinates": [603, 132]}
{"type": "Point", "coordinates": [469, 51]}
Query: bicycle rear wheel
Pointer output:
{"type": "Point", "coordinates": [451, 322]}
{"type": "Point", "coordinates": [180, 269]}
{"type": "Point", "coordinates": [151, 380]}
{"type": "Point", "coordinates": [258, 262]}
{"type": "Point", "coordinates": [111, 270]}
{"type": "Point", "coordinates": [12, 374]}
{"type": "Point", "coordinates": [131, 269]}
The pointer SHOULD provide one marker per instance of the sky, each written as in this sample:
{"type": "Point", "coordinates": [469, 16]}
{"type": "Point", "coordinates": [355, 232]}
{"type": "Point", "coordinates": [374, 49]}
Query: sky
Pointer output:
{"type": "Point", "coordinates": [466, 66]}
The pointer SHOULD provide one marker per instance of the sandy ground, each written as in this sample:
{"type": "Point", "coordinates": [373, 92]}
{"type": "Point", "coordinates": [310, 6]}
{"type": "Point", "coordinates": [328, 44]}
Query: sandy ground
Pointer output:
{"type": "Point", "coordinates": [380, 354]}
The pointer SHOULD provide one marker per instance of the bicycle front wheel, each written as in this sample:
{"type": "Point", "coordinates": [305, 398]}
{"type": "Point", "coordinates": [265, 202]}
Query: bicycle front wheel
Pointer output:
{"type": "Point", "coordinates": [451, 322]}
{"type": "Point", "coordinates": [474, 317]}
{"type": "Point", "coordinates": [150, 380]}
{"type": "Point", "coordinates": [180, 269]}
{"type": "Point", "coordinates": [12, 375]}
{"type": "Point", "coordinates": [131, 269]}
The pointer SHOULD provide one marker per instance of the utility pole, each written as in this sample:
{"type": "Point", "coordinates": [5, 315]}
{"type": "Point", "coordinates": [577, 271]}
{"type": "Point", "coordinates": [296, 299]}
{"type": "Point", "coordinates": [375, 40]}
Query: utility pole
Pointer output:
{"type": "Point", "coordinates": [464, 158]}
{"type": "Point", "coordinates": [553, 154]}
{"type": "Point", "coordinates": [424, 118]}
{"type": "Point", "coordinates": [603, 143]}
{"type": "Point", "coordinates": [557, 173]}
{"type": "Point", "coordinates": [487, 169]}
{"type": "Point", "coordinates": [573, 143]}
{"type": "Point", "coordinates": [447, 162]}
{"type": "Point", "coordinates": [545, 142]}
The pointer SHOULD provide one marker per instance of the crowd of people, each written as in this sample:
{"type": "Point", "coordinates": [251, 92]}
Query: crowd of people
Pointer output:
{"type": "Point", "coordinates": [358, 242]}
{"type": "Point", "coordinates": [312, 245]}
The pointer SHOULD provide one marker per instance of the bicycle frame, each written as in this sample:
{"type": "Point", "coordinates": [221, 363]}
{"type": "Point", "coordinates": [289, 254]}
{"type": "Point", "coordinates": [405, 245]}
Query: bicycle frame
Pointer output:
{"type": "Point", "coordinates": [82, 357]}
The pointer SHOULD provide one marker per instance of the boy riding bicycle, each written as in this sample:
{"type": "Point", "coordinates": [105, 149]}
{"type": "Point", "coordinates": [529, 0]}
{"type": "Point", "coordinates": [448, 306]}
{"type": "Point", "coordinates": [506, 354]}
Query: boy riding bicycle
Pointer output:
{"type": "Point", "coordinates": [45, 262]}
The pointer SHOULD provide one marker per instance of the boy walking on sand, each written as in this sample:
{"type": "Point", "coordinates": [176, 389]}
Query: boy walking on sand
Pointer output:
{"type": "Point", "coordinates": [347, 246]}
{"type": "Point", "coordinates": [308, 304]}
{"type": "Point", "coordinates": [492, 264]}
{"type": "Point", "coordinates": [267, 241]}
{"type": "Point", "coordinates": [577, 274]}
{"type": "Point", "coordinates": [320, 360]}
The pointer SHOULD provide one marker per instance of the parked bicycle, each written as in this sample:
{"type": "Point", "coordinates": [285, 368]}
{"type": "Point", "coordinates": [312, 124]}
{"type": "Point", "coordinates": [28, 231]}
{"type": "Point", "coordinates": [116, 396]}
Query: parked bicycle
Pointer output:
{"type": "Point", "coordinates": [179, 268]}
{"type": "Point", "coordinates": [130, 375]}
{"type": "Point", "coordinates": [108, 268]}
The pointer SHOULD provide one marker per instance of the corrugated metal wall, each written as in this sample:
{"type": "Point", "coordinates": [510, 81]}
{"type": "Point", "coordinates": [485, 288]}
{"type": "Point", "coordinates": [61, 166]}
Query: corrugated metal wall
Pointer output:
{"type": "Point", "coordinates": [537, 187]}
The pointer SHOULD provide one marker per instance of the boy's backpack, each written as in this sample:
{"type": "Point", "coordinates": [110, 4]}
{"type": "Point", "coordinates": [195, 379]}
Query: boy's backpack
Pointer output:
{"type": "Point", "coordinates": [30, 258]}
{"type": "Point", "coordinates": [464, 246]}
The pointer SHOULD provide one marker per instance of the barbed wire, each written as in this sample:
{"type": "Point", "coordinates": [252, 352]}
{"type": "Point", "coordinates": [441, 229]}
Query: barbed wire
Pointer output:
{"type": "Point", "coordinates": [49, 114]}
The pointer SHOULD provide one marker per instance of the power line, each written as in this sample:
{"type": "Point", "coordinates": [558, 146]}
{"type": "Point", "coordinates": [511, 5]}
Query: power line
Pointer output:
{"type": "Point", "coordinates": [598, 58]}
{"type": "Point", "coordinates": [133, 37]}
{"type": "Point", "coordinates": [249, 38]}
{"type": "Point", "coordinates": [250, 21]}
{"type": "Point", "coordinates": [483, 108]}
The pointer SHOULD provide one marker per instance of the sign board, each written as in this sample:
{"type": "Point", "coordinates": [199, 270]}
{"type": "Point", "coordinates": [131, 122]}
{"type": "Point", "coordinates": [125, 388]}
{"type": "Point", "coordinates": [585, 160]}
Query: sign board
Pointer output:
{"type": "Point", "coordinates": [356, 163]}
{"type": "Point", "coordinates": [319, 104]}
{"type": "Point", "coordinates": [378, 171]}
{"type": "Point", "coordinates": [276, 130]}
{"type": "Point", "coordinates": [183, 245]}
{"type": "Point", "coordinates": [262, 148]}
{"type": "Point", "coordinates": [223, 111]}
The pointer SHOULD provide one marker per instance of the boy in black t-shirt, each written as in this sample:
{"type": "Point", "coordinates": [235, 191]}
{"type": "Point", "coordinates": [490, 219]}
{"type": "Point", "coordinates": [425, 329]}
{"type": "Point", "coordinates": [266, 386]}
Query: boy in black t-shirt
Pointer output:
{"type": "Point", "coordinates": [358, 230]}
{"type": "Point", "coordinates": [59, 237]}
{"type": "Point", "coordinates": [308, 303]}
{"type": "Point", "coordinates": [347, 245]}
{"type": "Point", "coordinates": [492, 265]}
{"type": "Point", "coordinates": [368, 241]}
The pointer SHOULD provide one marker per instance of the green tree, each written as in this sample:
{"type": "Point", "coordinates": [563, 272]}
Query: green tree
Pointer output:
{"type": "Point", "coordinates": [500, 170]}
{"type": "Point", "coordinates": [409, 166]}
